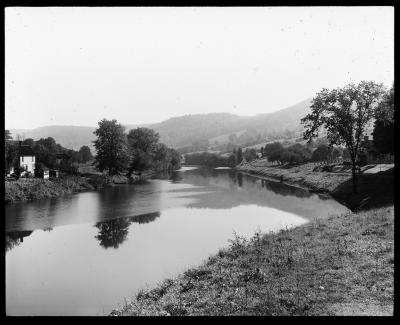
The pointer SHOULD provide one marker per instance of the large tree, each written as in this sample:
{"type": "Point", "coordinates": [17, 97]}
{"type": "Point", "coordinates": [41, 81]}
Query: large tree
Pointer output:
{"type": "Point", "coordinates": [322, 153]}
{"type": "Point", "coordinates": [111, 147]}
{"type": "Point", "coordinates": [274, 151]}
{"type": "Point", "coordinates": [46, 150]}
{"type": "Point", "coordinates": [162, 157]}
{"type": "Point", "coordinates": [175, 159]}
{"type": "Point", "coordinates": [344, 113]}
{"type": "Point", "coordinates": [85, 154]}
{"type": "Point", "coordinates": [142, 144]}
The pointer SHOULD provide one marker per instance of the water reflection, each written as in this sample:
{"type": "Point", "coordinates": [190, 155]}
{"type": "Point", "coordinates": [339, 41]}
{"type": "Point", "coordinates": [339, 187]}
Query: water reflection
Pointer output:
{"type": "Point", "coordinates": [284, 190]}
{"type": "Point", "coordinates": [239, 177]}
{"type": "Point", "coordinates": [112, 233]}
{"type": "Point", "coordinates": [226, 189]}
{"type": "Point", "coordinates": [112, 243]}
{"type": "Point", "coordinates": [15, 238]}
{"type": "Point", "coordinates": [145, 218]}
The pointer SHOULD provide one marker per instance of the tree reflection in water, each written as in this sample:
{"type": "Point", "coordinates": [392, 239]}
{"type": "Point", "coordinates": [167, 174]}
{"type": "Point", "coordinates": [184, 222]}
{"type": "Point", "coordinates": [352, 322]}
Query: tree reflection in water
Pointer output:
{"type": "Point", "coordinates": [285, 190]}
{"type": "Point", "coordinates": [145, 218]}
{"type": "Point", "coordinates": [240, 179]}
{"type": "Point", "coordinates": [14, 238]}
{"type": "Point", "coordinates": [176, 177]}
{"type": "Point", "coordinates": [113, 233]}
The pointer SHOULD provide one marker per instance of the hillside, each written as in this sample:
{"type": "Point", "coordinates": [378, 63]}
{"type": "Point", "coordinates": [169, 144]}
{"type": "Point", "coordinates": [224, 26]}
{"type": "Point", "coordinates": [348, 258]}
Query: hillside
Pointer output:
{"type": "Point", "coordinates": [184, 130]}
{"type": "Point", "coordinates": [71, 137]}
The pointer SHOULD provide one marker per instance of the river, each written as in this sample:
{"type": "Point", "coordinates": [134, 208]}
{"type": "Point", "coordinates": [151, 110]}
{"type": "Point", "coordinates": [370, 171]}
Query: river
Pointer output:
{"type": "Point", "coordinates": [84, 254]}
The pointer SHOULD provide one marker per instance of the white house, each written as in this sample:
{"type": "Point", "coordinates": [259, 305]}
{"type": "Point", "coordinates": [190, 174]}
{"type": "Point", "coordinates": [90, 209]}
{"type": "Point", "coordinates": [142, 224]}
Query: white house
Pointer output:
{"type": "Point", "coordinates": [27, 159]}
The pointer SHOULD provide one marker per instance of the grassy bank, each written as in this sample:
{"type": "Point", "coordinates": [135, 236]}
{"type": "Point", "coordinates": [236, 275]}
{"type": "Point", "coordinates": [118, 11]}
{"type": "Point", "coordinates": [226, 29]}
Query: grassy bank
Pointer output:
{"type": "Point", "coordinates": [29, 189]}
{"type": "Point", "coordinates": [342, 265]}
{"type": "Point", "coordinates": [374, 190]}
{"type": "Point", "coordinates": [35, 188]}
{"type": "Point", "coordinates": [302, 174]}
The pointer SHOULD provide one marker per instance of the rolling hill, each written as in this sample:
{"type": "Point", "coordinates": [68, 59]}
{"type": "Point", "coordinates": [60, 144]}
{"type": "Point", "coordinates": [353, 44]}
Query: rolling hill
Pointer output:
{"type": "Point", "coordinates": [183, 130]}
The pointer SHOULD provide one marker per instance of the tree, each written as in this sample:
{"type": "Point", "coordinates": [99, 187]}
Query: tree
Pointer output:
{"type": "Point", "coordinates": [142, 145]}
{"type": "Point", "coordinates": [344, 113]}
{"type": "Point", "coordinates": [289, 157]}
{"type": "Point", "coordinates": [161, 156]}
{"type": "Point", "coordinates": [250, 154]}
{"type": "Point", "coordinates": [232, 160]}
{"type": "Point", "coordinates": [111, 147]}
{"type": "Point", "coordinates": [385, 110]}
{"type": "Point", "coordinates": [322, 153]}
{"type": "Point", "coordinates": [336, 152]}
{"type": "Point", "coordinates": [383, 133]}
{"type": "Point", "coordinates": [46, 151]}
{"type": "Point", "coordinates": [239, 156]}
{"type": "Point", "coordinates": [175, 159]}
{"type": "Point", "coordinates": [85, 154]}
{"type": "Point", "coordinates": [383, 137]}
{"type": "Point", "coordinates": [277, 156]}
{"type": "Point", "coordinates": [273, 151]}
{"type": "Point", "coordinates": [29, 142]}
{"type": "Point", "coordinates": [302, 153]}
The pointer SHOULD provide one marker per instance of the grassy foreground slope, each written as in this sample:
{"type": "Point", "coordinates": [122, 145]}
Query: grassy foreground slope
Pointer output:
{"type": "Point", "coordinates": [342, 265]}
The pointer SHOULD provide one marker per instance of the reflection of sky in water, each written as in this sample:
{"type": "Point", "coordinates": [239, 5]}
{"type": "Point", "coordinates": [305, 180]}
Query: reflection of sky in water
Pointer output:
{"type": "Point", "coordinates": [74, 274]}
{"type": "Point", "coordinates": [102, 246]}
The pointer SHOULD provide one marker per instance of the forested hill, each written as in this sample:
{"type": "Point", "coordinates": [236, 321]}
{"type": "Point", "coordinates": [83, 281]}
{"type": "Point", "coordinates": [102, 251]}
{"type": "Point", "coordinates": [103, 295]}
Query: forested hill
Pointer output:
{"type": "Point", "coordinates": [184, 130]}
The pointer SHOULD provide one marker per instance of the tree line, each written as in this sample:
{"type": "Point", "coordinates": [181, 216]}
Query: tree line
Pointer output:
{"type": "Point", "coordinates": [45, 149]}
{"type": "Point", "coordinates": [209, 159]}
{"type": "Point", "coordinates": [135, 152]}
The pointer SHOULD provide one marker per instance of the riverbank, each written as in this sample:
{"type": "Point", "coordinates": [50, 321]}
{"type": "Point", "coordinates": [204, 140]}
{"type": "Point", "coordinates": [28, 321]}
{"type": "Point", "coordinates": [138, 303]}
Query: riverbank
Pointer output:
{"type": "Point", "coordinates": [304, 175]}
{"type": "Point", "coordinates": [30, 189]}
{"type": "Point", "coordinates": [342, 265]}
{"type": "Point", "coordinates": [374, 190]}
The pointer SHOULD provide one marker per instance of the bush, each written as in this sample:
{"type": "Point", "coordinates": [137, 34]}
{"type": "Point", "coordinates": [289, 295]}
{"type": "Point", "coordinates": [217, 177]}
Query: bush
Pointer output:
{"type": "Point", "coordinates": [322, 153]}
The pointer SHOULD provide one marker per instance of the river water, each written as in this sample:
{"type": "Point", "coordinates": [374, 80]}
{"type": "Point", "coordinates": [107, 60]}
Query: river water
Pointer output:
{"type": "Point", "coordinates": [84, 254]}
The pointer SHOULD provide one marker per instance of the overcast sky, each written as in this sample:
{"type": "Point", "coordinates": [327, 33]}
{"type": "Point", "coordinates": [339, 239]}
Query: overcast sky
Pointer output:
{"type": "Point", "coordinates": [75, 66]}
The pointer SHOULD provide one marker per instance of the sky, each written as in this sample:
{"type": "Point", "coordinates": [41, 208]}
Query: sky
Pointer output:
{"type": "Point", "coordinates": [77, 65]}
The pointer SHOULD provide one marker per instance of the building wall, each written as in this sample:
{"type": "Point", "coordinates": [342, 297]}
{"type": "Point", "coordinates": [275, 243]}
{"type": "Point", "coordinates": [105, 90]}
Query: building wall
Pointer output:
{"type": "Point", "coordinates": [28, 163]}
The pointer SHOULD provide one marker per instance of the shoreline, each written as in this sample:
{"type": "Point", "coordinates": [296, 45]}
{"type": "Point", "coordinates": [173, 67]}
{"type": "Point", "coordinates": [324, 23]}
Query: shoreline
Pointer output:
{"type": "Point", "coordinates": [374, 190]}
{"type": "Point", "coordinates": [313, 267]}
{"type": "Point", "coordinates": [318, 182]}
{"type": "Point", "coordinates": [32, 189]}
{"type": "Point", "coordinates": [343, 265]}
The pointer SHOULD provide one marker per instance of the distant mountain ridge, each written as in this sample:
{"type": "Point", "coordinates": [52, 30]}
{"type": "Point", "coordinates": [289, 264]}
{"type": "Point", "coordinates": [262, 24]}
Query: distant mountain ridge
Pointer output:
{"type": "Point", "coordinates": [182, 130]}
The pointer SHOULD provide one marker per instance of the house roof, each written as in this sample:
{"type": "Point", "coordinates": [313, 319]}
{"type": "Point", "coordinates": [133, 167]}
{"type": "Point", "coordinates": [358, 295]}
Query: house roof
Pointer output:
{"type": "Point", "coordinates": [26, 151]}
